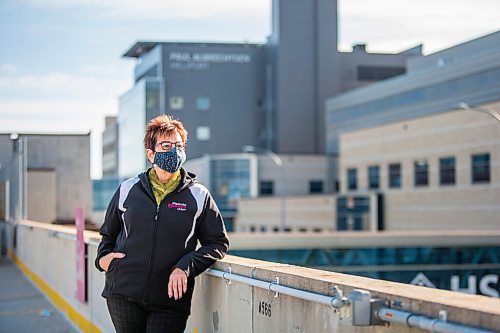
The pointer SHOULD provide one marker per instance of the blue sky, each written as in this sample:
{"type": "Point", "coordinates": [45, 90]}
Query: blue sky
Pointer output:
{"type": "Point", "coordinates": [60, 60]}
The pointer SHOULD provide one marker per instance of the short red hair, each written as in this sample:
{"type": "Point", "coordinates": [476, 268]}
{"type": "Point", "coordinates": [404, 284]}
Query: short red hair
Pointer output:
{"type": "Point", "coordinates": [164, 125]}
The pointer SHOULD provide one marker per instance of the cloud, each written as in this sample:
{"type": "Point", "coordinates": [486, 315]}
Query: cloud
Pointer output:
{"type": "Point", "coordinates": [8, 69]}
{"type": "Point", "coordinates": [164, 9]}
{"type": "Point", "coordinates": [60, 116]}
{"type": "Point", "coordinates": [61, 102]}
{"type": "Point", "coordinates": [388, 27]}
{"type": "Point", "coordinates": [62, 85]}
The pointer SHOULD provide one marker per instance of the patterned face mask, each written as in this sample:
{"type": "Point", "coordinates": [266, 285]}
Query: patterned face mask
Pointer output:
{"type": "Point", "coordinates": [171, 160]}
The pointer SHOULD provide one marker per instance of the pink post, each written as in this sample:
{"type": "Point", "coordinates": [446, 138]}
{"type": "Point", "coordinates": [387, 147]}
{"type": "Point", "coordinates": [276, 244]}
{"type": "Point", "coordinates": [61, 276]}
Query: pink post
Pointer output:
{"type": "Point", "coordinates": [80, 255]}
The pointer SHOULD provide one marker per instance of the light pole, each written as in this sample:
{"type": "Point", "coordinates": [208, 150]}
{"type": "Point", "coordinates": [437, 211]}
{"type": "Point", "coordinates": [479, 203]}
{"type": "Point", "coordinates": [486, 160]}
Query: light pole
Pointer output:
{"type": "Point", "coordinates": [493, 113]}
{"type": "Point", "coordinates": [279, 162]}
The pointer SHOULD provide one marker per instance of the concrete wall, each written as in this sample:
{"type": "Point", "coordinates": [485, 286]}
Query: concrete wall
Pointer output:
{"type": "Point", "coordinates": [221, 307]}
{"type": "Point", "coordinates": [68, 155]}
{"type": "Point", "coordinates": [42, 194]}
{"type": "Point", "coordinates": [304, 57]}
{"type": "Point", "coordinates": [47, 256]}
{"type": "Point", "coordinates": [458, 134]}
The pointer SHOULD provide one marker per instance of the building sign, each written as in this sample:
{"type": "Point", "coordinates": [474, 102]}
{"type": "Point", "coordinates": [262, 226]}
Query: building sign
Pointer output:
{"type": "Point", "coordinates": [202, 61]}
{"type": "Point", "coordinates": [486, 285]}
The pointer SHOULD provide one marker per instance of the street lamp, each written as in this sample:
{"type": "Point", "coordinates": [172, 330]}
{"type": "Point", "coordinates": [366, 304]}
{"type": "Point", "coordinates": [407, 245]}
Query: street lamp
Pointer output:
{"type": "Point", "coordinates": [21, 147]}
{"type": "Point", "coordinates": [493, 113]}
{"type": "Point", "coordinates": [279, 162]}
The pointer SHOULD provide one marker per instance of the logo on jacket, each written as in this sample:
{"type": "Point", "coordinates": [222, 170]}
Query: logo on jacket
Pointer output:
{"type": "Point", "coordinates": [178, 205]}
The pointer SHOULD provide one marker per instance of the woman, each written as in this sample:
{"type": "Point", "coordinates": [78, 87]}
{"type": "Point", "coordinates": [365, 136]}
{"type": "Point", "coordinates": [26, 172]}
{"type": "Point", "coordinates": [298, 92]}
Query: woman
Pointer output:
{"type": "Point", "coordinates": [149, 237]}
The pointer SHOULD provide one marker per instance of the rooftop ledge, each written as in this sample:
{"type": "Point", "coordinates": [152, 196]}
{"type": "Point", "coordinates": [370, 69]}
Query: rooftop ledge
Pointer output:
{"type": "Point", "coordinates": [460, 308]}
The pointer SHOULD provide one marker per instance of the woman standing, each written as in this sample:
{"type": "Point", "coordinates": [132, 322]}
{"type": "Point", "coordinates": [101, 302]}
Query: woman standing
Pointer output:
{"type": "Point", "coordinates": [149, 237]}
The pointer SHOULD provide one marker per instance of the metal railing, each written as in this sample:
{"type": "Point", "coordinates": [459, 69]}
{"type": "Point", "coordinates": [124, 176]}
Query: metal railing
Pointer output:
{"type": "Point", "coordinates": [357, 309]}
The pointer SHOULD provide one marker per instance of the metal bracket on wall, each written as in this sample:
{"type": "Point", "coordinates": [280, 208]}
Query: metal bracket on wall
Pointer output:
{"type": "Point", "coordinates": [276, 282]}
{"type": "Point", "coordinates": [228, 281]}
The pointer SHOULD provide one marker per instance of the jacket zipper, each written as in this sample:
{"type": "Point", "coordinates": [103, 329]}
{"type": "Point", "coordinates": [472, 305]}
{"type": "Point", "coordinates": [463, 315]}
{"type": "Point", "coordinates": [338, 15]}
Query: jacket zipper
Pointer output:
{"type": "Point", "coordinates": [151, 260]}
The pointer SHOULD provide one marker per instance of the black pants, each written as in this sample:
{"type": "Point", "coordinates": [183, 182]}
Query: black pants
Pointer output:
{"type": "Point", "coordinates": [131, 317]}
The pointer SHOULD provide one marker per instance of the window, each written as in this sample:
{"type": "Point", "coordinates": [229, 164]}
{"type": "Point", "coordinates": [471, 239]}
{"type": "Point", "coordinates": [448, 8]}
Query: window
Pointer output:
{"type": "Point", "coordinates": [481, 168]}
{"type": "Point", "coordinates": [373, 177]}
{"type": "Point", "coordinates": [395, 175]}
{"type": "Point", "coordinates": [421, 168]}
{"type": "Point", "coordinates": [203, 103]}
{"type": "Point", "coordinates": [176, 102]}
{"type": "Point", "coordinates": [266, 187]}
{"type": "Point", "coordinates": [316, 186]}
{"type": "Point", "coordinates": [447, 171]}
{"type": "Point", "coordinates": [352, 181]}
{"type": "Point", "coordinates": [203, 133]}
{"type": "Point", "coordinates": [376, 73]}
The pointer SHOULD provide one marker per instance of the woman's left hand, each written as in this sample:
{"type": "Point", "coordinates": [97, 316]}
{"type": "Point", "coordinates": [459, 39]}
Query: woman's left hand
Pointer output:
{"type": "Point", "coordinates": [177, 284]}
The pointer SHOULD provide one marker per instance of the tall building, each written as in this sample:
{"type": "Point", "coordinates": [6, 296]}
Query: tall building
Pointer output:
{"type": "Point", "coordinates": [469, 72]}
{"type": "Point", "coordinates": [231, 95]}
{"type": "Point", "coordinates": [435, 172]}
{"type": "Point", "coordinates": [436, 166]}
{"type": "Point", "coordinates": [215, 89]}
{"type": "Point", "coordinates": [137, 107]}
{"type": "Point", "coordinates": [408, 159]}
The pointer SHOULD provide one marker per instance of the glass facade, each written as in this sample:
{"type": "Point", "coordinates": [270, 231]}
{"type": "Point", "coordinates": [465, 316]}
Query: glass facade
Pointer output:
{"type": "Point", "coordinates": [137, 107]}
{"type": "Point", "coordinates": [102, 192]}
{"type": "Point", "coordinates": [409, 104]}
{"type": "Point", "coordinates": [458, 87]}
{"type": "Point", "coordinates": [230, 180]}
{"type": "Point", "coordinates": [480, 168]}
{"type": "Point", "coordinates": [442, 266]}
{"type": "Point", "coordinates": [447, 171]}
{"type": "Point", "coordinates": [395, 175]}
{"type": "Point", "coordinates": [352, 212]}
{"type": "Point", "coordinates": [373, 177]}
{"type": "Point", "coordinates": [131, 125]}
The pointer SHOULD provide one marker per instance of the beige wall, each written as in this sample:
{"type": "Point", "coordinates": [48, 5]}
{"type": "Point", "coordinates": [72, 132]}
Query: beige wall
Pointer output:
{"type": "Point", "coordinates": [458, 134]}
{"type": "Point", "coordinates": [299, 171]}
{"type": "Point", "coordinates": [311, 212]}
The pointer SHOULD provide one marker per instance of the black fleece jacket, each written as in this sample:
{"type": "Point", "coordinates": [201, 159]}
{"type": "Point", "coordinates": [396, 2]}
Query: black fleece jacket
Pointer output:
{"type": "Point", "coordinates": [158, 238]}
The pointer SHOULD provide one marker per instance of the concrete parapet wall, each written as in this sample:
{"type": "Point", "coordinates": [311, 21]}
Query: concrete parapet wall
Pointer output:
{"type": "Point", "coordinates": [222, 307]}
{"type": "Point", "coordinates": [46, 254]}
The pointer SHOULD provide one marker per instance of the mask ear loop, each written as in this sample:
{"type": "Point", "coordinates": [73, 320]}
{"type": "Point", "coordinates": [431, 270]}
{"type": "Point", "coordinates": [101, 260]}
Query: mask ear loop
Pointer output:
{"type": "Point", "coordinates": [154, 155]}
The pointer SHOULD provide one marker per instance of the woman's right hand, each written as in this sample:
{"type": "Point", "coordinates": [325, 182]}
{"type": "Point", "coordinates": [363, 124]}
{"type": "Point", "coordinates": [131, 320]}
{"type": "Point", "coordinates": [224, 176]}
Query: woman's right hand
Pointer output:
{"type": "Point", "coordinates": [106, 260]}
